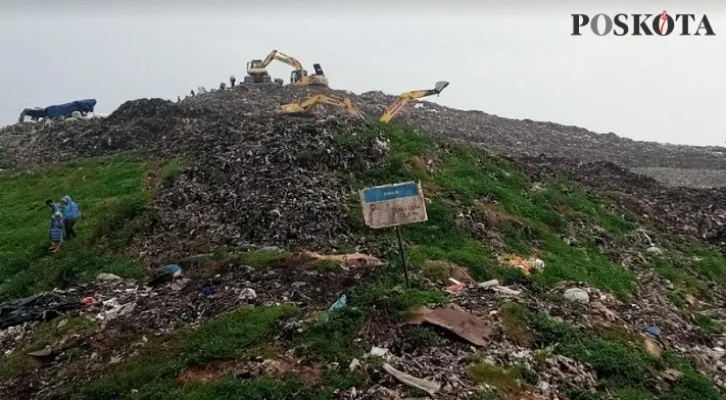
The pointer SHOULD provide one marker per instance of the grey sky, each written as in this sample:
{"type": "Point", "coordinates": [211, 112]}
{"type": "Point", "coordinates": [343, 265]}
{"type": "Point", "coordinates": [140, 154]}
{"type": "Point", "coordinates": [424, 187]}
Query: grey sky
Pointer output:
{"type": "Point", "coordinates": [513, 62]}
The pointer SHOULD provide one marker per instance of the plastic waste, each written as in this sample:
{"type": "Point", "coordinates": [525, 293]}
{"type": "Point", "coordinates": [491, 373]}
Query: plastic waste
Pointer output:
{"type": "Point", "coordinates": [208, 289]}
{"type": "Point", "coordinates": [88, 301]}
{"type": "Point", "coordinates": [103, 276]}
{"type": "Point", "coordinates": [577, 294]}
{"type": "Point", "coordinates": [247, 294]}
{"type": "Point", "coordinates": [174, 269]}
{"type": "Point", "coordinates": [340, 303]}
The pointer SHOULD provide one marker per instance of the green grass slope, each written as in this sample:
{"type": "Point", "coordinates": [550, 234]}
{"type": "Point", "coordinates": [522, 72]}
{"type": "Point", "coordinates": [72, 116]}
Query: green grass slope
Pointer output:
{"type": "Point", "coordinates": [103, 188]}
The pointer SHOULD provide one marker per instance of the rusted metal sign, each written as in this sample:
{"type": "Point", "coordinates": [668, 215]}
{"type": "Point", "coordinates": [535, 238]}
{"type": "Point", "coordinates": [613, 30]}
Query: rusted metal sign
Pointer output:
{"type": "Point", "coordinates": [393, 205]}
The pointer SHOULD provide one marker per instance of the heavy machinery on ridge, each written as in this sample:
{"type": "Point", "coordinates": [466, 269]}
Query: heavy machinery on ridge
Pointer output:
{"type": "Point", "coordinates": [307, 104]}
{"type": "Point", "coordinates": [257, 71]}
{"type": "Point", "coordinates": [404, 98]}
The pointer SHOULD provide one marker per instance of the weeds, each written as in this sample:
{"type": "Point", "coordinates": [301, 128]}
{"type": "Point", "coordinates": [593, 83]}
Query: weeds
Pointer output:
{"type": "Point", "coordinates": [620, 362]}
{"type": "Point", "coordinates": [332, 338]}
{"type": "Point", "coordinates": [708, 324]}
{"type": "Point", "coordinates": [705, 261]}
{"type": "Point", "coordinates": [227, 336]}
{"type": "Point", "coordinates": [505, 379]}
{"type": "Point", "coordinates": [172, 170]}
{"type": "Point", "coordinates": [514, 324]}
{"type": "Point", "coordinates": [6, 159]}
{"type": "Point", "coordinates": [327, 265]}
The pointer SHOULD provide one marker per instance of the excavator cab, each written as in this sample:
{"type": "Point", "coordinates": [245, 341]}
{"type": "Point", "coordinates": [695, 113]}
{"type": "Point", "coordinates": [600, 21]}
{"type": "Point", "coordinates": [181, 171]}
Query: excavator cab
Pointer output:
{"type": "Point", "coordinates": [256, 72]}
{"type": "Point", "coordinates": [254, 64]}
{"type": "Point", "coordinates": [298, 75]}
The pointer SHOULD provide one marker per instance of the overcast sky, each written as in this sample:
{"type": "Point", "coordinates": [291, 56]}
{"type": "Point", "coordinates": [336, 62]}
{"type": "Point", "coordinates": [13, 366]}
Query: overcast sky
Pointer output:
{"type": "Point", "coordinates": [518, 62]}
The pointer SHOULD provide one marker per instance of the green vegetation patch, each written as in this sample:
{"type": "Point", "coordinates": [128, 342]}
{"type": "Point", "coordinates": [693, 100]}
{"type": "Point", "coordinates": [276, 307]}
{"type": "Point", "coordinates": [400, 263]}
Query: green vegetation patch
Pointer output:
{"type": "Point", "coordinates": [504, 379]}
{"type": "Point", "coordinates": [104, 189]}
{"type": "Point", "coordinates": [153, 373]}
{"type": "Point", "coordinates": [708, 324]}
{"type": "Point", "coordinates": [227, 336]}
{"type": "Point", "coordinates": [462, 178]}
{"type": "Point", "coordinates": [332, 337]}
{"type": "Point", "coordinates": [622, 365]}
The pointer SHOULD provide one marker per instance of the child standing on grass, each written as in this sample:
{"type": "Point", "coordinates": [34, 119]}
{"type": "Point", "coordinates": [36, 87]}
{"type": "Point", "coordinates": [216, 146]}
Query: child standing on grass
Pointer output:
{"type": "Point", "coordinates": [56, 230]}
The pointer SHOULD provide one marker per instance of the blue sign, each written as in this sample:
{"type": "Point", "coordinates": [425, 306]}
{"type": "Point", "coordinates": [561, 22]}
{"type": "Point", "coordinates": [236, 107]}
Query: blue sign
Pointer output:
{"type": "Point", "coordinates": [393, 205]}
{"type": "Point", "coordinates": [392, 192]}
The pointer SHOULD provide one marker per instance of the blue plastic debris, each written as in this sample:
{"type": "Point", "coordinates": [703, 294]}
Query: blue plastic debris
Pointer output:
{"type": "Point", "coordinates": [172, 268]}
{"type": "Point", "coordinates": [208, 289]}
{"type": "Point", "coordinates": [340, 303]}
{"type": "Point", "coordinates": [653, 331]}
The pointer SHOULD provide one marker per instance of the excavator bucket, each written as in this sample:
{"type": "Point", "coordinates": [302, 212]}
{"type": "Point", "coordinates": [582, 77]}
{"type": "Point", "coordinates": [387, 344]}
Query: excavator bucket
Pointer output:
{"type": "Point", "coordinates": [440, 86]}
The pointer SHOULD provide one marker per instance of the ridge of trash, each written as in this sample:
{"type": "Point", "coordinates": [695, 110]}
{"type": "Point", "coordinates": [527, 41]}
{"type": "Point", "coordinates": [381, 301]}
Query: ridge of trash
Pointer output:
{"type": "Point", "coordinates": [122, 130]}
{"type": "Point", "coordinates": [260, 284]}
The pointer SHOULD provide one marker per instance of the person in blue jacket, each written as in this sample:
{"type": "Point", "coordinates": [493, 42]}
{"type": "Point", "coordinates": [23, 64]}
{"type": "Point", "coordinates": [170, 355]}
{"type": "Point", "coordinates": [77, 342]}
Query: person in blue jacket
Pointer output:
{"type": "Point", "coordinates": [71, 213]}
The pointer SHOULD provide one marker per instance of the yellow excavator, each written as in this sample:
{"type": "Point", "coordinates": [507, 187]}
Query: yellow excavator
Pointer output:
{"type": "Point", "coordinates": [257, 71]}
{"type": "Point", "coordinates": [305, 105]}
{"type": "Point", "coordinates": [404, 98]}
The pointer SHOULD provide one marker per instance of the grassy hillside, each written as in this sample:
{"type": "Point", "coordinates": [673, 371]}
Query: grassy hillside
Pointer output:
{"type": "Point", "coordinates": [480, 206]}
{"type": "Point", "coordinates": [558, 220]}
{"type": "Point", "coordinates": [103, 188]}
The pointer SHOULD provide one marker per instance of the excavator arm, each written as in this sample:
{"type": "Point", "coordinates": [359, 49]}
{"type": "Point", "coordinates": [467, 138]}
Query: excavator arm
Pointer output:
{"type": "Point", "coordinates": [404, 98]}
{"type": "Point", "coordinates": [257, 70]}
{"type": "Point", "coordinates": [284, 58]}
{"type": "Point", "coordinates": [255, 67]}
{"type": "Point", "coordinates": [308, 103]}
{"type": "Point", "coordinates": [300, 106]}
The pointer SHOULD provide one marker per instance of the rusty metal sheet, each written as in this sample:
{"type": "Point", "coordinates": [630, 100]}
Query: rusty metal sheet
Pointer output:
{"type": "Point", "coordinates": [456, 320]}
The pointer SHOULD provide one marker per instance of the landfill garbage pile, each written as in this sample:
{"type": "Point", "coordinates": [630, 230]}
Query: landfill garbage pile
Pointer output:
{"type": "Point", "coordinates": [698, 212]}
{"type": "Point", "coordinates": [161, 123]}
{"type": "Point", "coordinates": [705, 178]}
{"type": "Point", "coordinates": [124, 309]}
{"type": "Point", "coordinates": [604, 175]}
{"type": "Point", "coordinates": [270, 182]}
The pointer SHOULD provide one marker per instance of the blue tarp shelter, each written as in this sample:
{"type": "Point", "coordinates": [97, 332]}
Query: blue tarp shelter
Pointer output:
{"type": "Point", "coordinates": [65, 110]}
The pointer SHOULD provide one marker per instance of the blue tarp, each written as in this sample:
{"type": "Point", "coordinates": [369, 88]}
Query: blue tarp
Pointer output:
{"type": "Point", "coordinates": [65, 110]}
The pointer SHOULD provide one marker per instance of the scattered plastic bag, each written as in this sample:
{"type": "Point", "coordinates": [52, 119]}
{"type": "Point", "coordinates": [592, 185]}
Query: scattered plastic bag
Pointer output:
{"type": "Point", "coordinates": [173, 269]}
{"type": "Point", "coordinates": [88, 301]}
{"type": "Point", "coordinates": [208, 289]}
{"type": "Point", "coordinates": [456, 286]}
{"type": "Point", "coordinates": [340, 303]}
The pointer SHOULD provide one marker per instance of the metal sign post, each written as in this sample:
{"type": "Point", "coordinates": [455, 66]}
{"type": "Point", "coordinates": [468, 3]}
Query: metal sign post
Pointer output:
{"type": "Point", "coordinates": [394, 205]}
{"type": "Point", "coordinates": [403, 256]}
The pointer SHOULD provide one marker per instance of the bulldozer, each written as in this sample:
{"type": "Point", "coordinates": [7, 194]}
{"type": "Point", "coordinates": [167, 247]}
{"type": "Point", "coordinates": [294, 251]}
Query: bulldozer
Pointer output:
{"type": "Point", "coordinates": [404, 98]}
{"type": "Point", "coordinates": [257, 71]}
{"type": "Point", "coordinates": [305, 105]}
